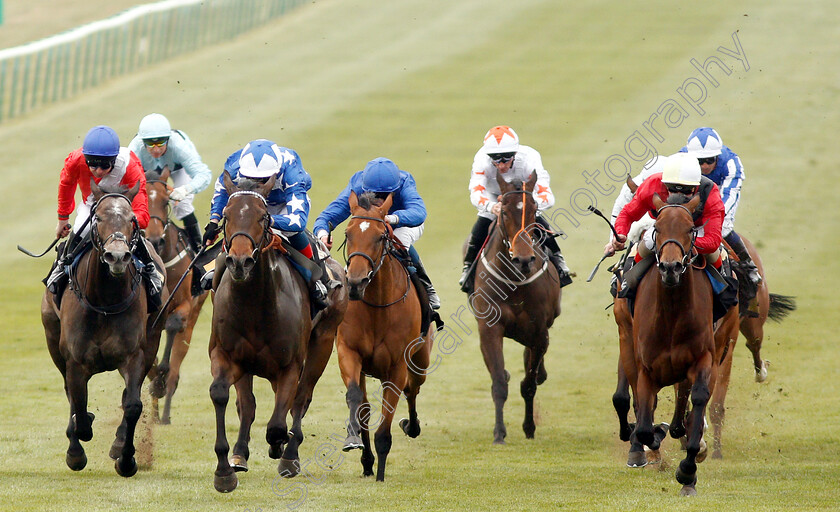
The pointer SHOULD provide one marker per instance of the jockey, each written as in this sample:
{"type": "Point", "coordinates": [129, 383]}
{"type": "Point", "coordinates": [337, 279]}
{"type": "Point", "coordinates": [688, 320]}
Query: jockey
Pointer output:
{"type": "Point", "coordinates": [159, 146]}
{"type": "Point", "coordinates": [681, 175]}
{"type": "Point", "coordinates": [407, 214]}
{"type": "Point", "coordinates": [103, 160]}
{"type": "Point", "coordinates": [721, 165]}
{"type": "Point", "coordinates": [503, 154]}
{"type": "Point", "coordinates": [288, 201]}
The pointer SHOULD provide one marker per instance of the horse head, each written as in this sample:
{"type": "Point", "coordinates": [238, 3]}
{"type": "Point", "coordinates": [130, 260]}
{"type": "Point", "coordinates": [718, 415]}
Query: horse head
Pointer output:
{"type": "Point", "coordinates": [674, 236]}
{"type": "Point", "coordinates": [247, 224]}
{"type": "Point", "coordinates": [114, 230]}
{"type": "Point", "coordinates": [367, 236]}
{"type": "Point", "coordinates": [517, 220]}
{"type": "Point", "coordinates": [159, 209]}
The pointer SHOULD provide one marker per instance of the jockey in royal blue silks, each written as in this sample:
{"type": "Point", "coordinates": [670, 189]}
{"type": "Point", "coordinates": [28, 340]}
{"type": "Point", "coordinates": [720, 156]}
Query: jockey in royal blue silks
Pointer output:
{"type": "Point", "coordinates": [288, 201]}
{"type": "Point", "coordinates": [407, 214]}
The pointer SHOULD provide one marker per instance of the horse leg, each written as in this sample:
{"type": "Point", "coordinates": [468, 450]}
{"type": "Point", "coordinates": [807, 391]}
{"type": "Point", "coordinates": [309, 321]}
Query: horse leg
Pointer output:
{"type": "Point", "coordinates": [621, 403]}
{"type": "Point", "coordinates": [494, 359]}
{"type": "Point", "coordinates": [246, 408]}
{"type": "Point", "coordinates": [119, 438]}
{"type": "Point", "coordinates": [79, 427]}
{"type": "Point", "coordinates": [133, 374]}
{"type": "Point", "coordinates": [753, 331]}
{"type": "Point", "coordinates": [416, 378]}
{"type": "Point", "coordinates": [173, 325]}
{"type": "Point", "coordinates": [528, 386]}
{"type": "Point", "coordinates": [718, 410]}
{"type": "Point", "coordinates": [643, 434]}
{"type": "Point", "coordinates": [179, 352]}
{"type": "Point", "coordinates": [363, 416]}
{"type": "Point", "coordinates": [390, 397]}
{"type": "Point", "coordinates": [681, 392]}
{"type": "Point", "coordinates": [277, 433]}
{"type": "Point", "coordinates": [626, 372]}
{"type": "Point", "coordinates": [224, 373]}
{"type": "Point", "coordinates": [542, 375]}
{"type": "Point", "coordinates": [350, 364]}
{"type": "Point", "coordinates": [701, 392]}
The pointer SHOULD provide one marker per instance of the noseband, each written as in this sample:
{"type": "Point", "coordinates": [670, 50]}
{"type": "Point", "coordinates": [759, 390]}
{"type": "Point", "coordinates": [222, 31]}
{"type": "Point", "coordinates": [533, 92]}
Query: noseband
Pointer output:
{"type": "Point", "coordinates": [98, 243]}
{"type": "Point", "coordinates": [522, 228]}
{"type": "Point", "coordinates": [386, 247]}
{"type": "Point", "coordinates": [265, 221]}
{"type": "Point", "coordinates": [686, 255]}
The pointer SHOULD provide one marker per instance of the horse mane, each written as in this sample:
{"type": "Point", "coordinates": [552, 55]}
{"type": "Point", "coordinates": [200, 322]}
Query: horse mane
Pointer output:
{"type": "Point", "coordinates": [152, 175]}
{"type": "Point", "coordinates": [678, 198]}
{"type": "Point", "coordinates": [369, 199]}
{"type": "Point", "coordinates": [249, 184]}
{"type": "Point", "coordinates": [117, 189]}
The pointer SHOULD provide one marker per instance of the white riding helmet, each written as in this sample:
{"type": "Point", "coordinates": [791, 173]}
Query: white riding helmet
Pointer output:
{"type": "Point", "coordinates": [154, 126]}
{"type": "Point", "coordinates": [501, 139]}
{"type": "Point", "coordinates": [260, 159]}
{"type": "Point", "coordinates": [681, 169]}
{"type": "Point", "coordinates": [704, 143]}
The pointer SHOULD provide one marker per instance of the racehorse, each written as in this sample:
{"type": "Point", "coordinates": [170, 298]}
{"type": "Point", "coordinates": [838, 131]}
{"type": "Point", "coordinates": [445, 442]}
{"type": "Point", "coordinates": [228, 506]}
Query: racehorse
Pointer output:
{"type": "Point", "coordinates": [517, 295]}
{"type": "Point", "coordinates": [171, 244]}
{"type": "Point", "coordinates": [673, 339]}
{"type": "Point", "coordinates": [102, 326]}
{"type": "Point", "coordinates": [262, 326]}
{"type": "Point", "coordinates": [381, 335]}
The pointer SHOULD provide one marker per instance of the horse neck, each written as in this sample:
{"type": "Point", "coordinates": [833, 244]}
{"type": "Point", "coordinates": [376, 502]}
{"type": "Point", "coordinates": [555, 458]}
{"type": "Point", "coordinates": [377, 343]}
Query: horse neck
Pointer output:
{"type": "Point", "coordinates": [678, 300]}
{"type": "Point", "coordinates": [173, 244]}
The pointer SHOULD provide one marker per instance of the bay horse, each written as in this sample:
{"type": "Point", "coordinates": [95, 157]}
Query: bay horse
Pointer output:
{"type": "Point", "coordinates": [517, 295]}
{"type": "Point", "coordinates": [381, 335]}
{"type": "Point", "coordinates": [674, 339]}
{"type": "Point", "coordinates": [262, 326]}
{"type": "Point", "coordinates": [171, 244]}
{"type": "Point", "coordinates": [102, 326]}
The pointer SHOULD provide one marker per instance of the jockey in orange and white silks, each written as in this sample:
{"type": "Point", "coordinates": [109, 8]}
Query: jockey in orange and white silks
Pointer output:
{"type": "Point", "coordinates": [502, 154]}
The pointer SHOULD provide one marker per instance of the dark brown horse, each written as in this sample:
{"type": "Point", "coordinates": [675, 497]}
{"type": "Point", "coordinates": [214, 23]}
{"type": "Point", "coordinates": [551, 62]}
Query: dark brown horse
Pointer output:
{"type": "Point", "coordinates": [261, 326]}
{"type": "Point", "coordinates": [381, 334]}
{"type": "Point", "coordinates": [674, 340]}
{"type": "Point", "coordinates": [171, 244]}
{"type": "Point", "coordinates": [517, 295]}
{"type": "Point", "coordinates": [102, 326]}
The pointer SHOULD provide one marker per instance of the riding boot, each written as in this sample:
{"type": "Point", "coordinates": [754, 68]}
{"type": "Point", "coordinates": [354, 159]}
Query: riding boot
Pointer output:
{"type": "Point", "coordinates": [747, 264]}
{"type": "Point", "coordinates": [319, 289]}
{"type": "Point", "coordinates": [477, 237]}
{"type": "Point", "coordinates": [154, 279]}
{"type": "Point", "coordinates": [193, 232]}
{"type": "Point", "coordinates": [434, 300]}
{"type": "Point", "coordinates": [563, 271]}
{"type": "Point", "coordinates": [57, 280]}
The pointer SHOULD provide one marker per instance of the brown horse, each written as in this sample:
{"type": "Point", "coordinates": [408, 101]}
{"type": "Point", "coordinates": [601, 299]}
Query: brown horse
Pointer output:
{"type": "Point", "coordinates": [381, 334]}
{"type": "Point", "coordinates": [261, 326]}
{"type": "Point", "coordinates": [102, 326]}
{"type": "Point", "coordinates": [171, 244]}
{"type": "Point", "coordinates": [674, 340]}
{"type": "Point", "coordinates": [517, 296]}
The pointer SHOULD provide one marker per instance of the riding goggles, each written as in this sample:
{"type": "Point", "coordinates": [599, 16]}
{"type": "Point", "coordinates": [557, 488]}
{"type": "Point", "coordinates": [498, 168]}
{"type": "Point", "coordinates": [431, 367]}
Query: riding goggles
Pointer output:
{"type": "Point", "coordinates": [100, 162]}
{"type": "Point", "coordinates": [501, 158]}
{"type": "Point", "coordinates": [709, 161]}
{"type": "Point", "coordinates": [156, 143]}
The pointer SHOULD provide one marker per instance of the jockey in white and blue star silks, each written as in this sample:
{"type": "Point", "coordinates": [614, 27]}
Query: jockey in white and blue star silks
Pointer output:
{"type": "Point", "coordinates": [407, 214]}
{"type": "Point", "coordinates": [288, 201]}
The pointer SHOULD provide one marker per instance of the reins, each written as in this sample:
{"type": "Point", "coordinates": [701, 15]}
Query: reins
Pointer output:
{"type": "Point", "coordinates": [387, 247]}
{"type": "Point", "coordinates": [267, 235]}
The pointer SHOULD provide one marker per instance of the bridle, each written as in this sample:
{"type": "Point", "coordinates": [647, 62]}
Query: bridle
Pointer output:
{"type": "Point", "coordinates": [522, 228]}
{"type": "Point", "coordinates": [98, 243]}
{"type": "Point", "coordinates": [387, 247]}
{"type": "Point", "coordinates": [167, 221]}
{"type": "Point", "coordinates": [267, 235]}
{"type": "Point", "coordinates": [686, 255]}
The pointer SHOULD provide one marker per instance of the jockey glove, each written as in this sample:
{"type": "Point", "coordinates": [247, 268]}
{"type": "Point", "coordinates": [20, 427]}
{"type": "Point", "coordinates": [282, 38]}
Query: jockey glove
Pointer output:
{"type": "Point", "coordinates": [211, 231]}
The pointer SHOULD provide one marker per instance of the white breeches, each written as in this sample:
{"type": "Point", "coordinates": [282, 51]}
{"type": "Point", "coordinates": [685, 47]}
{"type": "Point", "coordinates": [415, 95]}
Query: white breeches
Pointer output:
{"type": "Point", "coordinates": [407, 236]}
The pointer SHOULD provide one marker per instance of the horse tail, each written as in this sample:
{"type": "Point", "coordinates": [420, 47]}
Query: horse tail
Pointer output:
{"type": "Point", "coordinates": [780, 306]}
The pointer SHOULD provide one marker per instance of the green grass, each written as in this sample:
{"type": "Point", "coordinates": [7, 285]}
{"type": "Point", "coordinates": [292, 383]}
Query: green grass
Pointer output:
{"type": "Point", "coordinates": [344, 82]}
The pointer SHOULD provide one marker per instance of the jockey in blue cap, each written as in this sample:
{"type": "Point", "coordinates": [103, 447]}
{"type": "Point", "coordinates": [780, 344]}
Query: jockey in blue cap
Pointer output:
{"type": "Point", "coordinates": [407, 214]}
{"type": "Point", "coordinates": [288, 201]}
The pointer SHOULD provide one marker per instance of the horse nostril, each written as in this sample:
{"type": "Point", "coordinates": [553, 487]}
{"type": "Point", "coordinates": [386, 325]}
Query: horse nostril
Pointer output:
{"type": "Point", "coordinates": [126, 257]}
{"type": "Point", "coordinates": [229, 261]}
{"type": "Point", "coordinates": [249, 263]}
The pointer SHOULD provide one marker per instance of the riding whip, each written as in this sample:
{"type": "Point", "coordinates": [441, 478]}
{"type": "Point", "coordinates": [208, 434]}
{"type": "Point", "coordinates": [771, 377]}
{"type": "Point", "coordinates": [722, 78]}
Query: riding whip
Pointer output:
{"type": "Point", "coordinates": [172, 293]}
{"type": "Point", "coordinates": [28, 253]}
{"type": "Point", "coordinates": [597, 212]}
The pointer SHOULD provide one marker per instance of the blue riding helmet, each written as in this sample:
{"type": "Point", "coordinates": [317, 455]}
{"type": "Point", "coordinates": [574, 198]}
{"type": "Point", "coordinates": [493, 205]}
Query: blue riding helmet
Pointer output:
{"type": "Point", "coordinates": [101, 141]}
{"type": "Point", "coordinates": [381, 175]}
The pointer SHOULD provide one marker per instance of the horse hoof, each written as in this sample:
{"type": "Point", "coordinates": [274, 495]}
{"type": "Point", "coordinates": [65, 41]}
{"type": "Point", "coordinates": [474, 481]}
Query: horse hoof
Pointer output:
{"type": "Point", "coordinates": [637, 460]}
{"type": "Point", "coordinates": [761, 373]}
{"type": "Point", "coordinates": [127, 472]}
{"type": "Point", "coordinates": [116, 450]}
{"type": "Point", "coordinates": [499, 441]}
{"type": "Point", "coordinates": [352, 443]}
{"type": "Point", "coordinates": [688, 490]}
{"type": "Point", "coordinates": [507, 376]}
{"type": "Point", "coordinates": [239, 463]}
{"type": "Point", "coordinates": [225, 483]}
{"type": "Point", "coordinates": [684, 477]}
{"type": "Point", "coordinates": [716, 454]}
{"type": "Point", "coordinates": [703, 453]}
{"type": "Point", "coordinates": [288, 468]}
{"type": "Point", "coordinates": [275, 451]}
{"type": "Point", "coordinates": [406, 427]}
{"type": "Point", "coordinates": [542, 375]}
{"type": "Point", "coordinates": [76, 462]}
{"type": "Point", "coordinates": [165, 421]}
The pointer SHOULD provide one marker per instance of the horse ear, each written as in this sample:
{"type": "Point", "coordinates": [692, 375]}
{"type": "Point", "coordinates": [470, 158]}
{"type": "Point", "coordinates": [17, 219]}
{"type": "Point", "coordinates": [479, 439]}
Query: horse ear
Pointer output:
{"type": "Point", "coordinates": [631, 184]}
{"type": "Point", "coordinates": [658, 202]}
{"type": "Point", "coordinates": [692, 205]}
{"type": "Point", "coordinates": [230, 186]}
{"type": "Point", "coordinates": [97, 192]}
{"type": "Point", "coordinates": [503, 185]}
{"type": "Point", "coordinates": [268, 186]}
{"type": "Point", "coordinates": [354, 200]}
{"type": "Point", "coordinates": [165, 174]}
{"type": "Point", "coordinates": [386, 205]}
{"type": "Point", "coordinates": [532, 181]}
{"type": "Point", "coordinates": [133, 191]}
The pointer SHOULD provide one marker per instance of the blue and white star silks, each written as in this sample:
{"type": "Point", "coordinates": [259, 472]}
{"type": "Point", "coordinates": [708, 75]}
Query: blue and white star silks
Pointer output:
{"type": "Point", "coordinates": [295, 204]}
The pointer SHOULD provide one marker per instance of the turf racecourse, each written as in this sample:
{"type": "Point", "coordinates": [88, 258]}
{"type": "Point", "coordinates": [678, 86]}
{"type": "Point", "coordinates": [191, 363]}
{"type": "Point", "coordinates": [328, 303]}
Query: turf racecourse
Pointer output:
{"type": "Point", "coordinates": [420, 82]}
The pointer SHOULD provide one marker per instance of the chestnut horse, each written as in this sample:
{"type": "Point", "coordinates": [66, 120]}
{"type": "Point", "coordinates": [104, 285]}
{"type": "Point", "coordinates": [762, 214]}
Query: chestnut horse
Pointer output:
{"type": "Point", "coordinates": [171, 244]}
{"type": "Point", "coordinates": [102, 326]}
{"type": "Point", "coordinates": [381, 334]}
{"type": "Point", "coordinates": [517, 295]}
{"type": "Point", "coordinates": [261, 326]}
{"type": "Point", "coordinates": [674, 340]}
